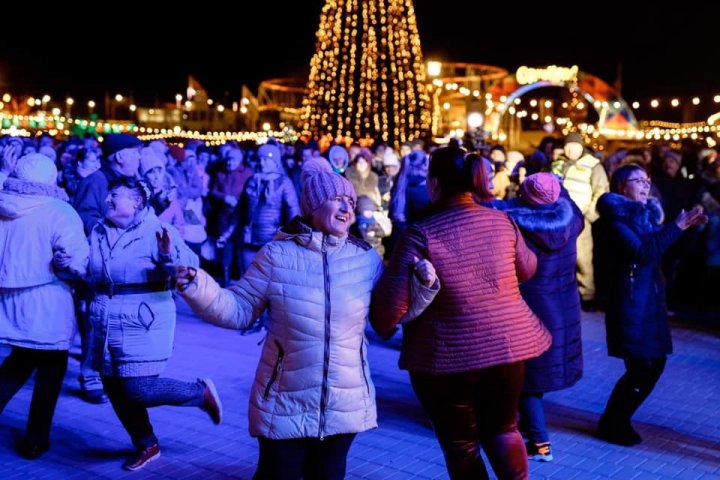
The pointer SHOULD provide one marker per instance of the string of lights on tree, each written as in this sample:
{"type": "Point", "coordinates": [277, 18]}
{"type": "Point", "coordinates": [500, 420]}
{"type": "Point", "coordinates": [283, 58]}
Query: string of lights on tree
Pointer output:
{"type": "Point", "coordinates": [367, 77]}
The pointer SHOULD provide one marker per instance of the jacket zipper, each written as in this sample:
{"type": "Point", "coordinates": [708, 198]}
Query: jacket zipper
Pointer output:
{"type": "Point", "coordinates": [363, 363]}
{"type": "Point", "coordinates": [276, 370]}
{"type": "Point", "coordinates": [326, 356]}
{"type": "Point", "coordinates": [632, 282]}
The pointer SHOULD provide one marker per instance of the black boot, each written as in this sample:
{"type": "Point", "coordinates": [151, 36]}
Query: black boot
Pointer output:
{"type": "Point", "coordinates": [614, 425]}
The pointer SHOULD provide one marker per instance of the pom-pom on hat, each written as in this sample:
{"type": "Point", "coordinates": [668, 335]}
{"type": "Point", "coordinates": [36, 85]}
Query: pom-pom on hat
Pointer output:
{"type": "Point", "coordinates": [313, 166]}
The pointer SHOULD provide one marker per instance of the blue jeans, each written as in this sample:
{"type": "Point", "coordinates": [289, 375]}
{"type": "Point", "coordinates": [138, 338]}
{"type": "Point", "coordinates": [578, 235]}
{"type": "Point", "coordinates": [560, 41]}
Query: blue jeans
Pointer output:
{"type": "Point", "coordinates": [131, 397]}
{"type": "Point", "coordinates": [89, 378]}
{"type": "Point", "coordinates": [532, 417]}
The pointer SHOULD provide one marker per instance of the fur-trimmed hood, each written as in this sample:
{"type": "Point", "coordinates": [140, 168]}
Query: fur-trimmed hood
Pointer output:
{"type": "Point", "coordinates": [550, 227]}
{"type": "Point", "coordinates": [644, 218]}
{"type": "Point", "coordinates": [19, 197]}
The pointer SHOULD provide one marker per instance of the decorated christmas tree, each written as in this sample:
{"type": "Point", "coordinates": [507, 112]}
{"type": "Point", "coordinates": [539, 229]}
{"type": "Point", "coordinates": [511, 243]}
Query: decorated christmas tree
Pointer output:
{"type": "Point", "coordinates": [367, 77]}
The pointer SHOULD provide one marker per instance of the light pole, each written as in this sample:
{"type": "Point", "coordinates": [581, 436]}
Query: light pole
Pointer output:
{"type": "Point", "coordinates": [91, 106]}
{"type": "Point", "coordinates": [69, 102]}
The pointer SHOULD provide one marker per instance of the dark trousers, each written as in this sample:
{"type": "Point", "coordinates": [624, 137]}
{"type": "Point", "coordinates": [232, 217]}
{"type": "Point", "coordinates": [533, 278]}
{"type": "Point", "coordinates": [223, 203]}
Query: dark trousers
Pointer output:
{"type": "Point", "coordinates": [532, 417]}
{"type": "Point", "coordinates": [476, 408]}
{"type": "Point", "coordinates": [633, 388]}
{"type": "Point", "coordinates": [89, 378]}
{"type": "Point", "coordinates": [51, 366]}
{"type": "Point", "coordinates": [306, 458]}
{"type": "Point", "coordinates": [132, 396]}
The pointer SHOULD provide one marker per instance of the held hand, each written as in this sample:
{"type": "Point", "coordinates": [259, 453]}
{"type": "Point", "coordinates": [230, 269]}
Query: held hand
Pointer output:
{"type": "Point", "coordinates": [691, 218]}
{"type": "Point", "coordinates": [424, 271]}
{"type": "Point", "coordinates": [61, 260]}
{"type": "Point", "coordinates": [164, 241]}
{"type": "Point", "coordinates": [230, 200]}
{"type": "Point", "coordinates": [184, 277]}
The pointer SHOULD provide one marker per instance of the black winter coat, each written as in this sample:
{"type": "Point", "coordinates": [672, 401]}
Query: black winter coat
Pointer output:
{"type": "Point", "coordinates": [628, 246]}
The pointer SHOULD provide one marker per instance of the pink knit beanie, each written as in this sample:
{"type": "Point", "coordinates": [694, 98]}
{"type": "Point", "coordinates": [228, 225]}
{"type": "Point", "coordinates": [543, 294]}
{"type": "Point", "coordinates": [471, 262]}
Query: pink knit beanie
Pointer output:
{"type": "Point", "coordinates": [313, 167]}
{"type": "Point", "coordinates": [540, 189]}
{"type": "Point", "coordinates": [321, 187]}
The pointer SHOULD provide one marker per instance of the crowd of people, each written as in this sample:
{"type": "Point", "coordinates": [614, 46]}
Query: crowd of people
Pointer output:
{"type": "Point", "coordinates": [483, 257]}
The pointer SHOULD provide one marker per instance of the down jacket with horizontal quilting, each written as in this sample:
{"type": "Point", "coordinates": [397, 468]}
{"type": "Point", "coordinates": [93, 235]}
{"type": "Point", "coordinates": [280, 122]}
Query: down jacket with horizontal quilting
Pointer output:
{"type": "Point", "coordinates": [313, 378]}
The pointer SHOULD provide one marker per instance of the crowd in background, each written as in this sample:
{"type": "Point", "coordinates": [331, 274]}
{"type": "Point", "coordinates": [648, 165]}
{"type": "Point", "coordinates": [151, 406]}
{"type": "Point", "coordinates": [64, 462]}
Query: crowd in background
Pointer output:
{"type": "Point", "coordinates": [603, 232]}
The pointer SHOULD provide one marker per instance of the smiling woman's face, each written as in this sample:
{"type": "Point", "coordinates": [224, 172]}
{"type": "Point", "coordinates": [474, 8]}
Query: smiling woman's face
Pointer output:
{"type": "Point", "coordinates": [637, 186]}
{"type": "Point", "coordinates": [335, 216]}
{"type": "Point", "coordinates": [122, 205]}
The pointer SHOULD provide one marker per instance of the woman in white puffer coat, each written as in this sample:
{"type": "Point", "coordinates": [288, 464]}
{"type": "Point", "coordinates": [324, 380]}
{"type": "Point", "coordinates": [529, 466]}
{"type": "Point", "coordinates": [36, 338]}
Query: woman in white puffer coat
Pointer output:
{"type": "Point", "coordinates": [312, 391]}
{"type": "Point", "coordinates": [37, 317]}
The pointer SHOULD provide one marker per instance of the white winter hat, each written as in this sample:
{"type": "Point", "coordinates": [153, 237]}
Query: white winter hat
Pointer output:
{"type": "Point", "coordinates": [35, 167]}
{"type": "Point", "coordinates": [390, 158]}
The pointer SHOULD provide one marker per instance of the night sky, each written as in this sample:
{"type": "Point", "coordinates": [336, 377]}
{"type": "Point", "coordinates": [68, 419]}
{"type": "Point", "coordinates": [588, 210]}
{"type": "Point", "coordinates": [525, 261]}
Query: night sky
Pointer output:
{"type": "Point", "coordinates": [664, 52]}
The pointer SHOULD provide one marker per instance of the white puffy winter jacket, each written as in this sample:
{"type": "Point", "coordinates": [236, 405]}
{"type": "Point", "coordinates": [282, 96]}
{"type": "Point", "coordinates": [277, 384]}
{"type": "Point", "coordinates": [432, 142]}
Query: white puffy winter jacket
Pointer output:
{"type": "Point", "coordinates": [313, 378]}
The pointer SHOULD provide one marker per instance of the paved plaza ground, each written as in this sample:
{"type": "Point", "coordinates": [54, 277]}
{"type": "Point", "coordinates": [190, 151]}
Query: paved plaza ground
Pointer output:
{"type": "Point", "coordinates": [680, 422]}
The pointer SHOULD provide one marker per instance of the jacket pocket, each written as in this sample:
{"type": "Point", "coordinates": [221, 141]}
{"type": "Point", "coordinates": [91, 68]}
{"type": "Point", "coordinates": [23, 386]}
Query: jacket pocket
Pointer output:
{"type": "Point", "coordinates": [145, 315]}
{"type": "Point", "coordinates": [363, 367]}
{"type": "Point", "coordinates": [276, 369]}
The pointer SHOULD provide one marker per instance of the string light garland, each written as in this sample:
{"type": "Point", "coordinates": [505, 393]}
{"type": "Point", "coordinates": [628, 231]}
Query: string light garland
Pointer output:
{"type": "Point", "coordinates": [367, 77]}
{"type": "Point", "coordinates": [21, 125]}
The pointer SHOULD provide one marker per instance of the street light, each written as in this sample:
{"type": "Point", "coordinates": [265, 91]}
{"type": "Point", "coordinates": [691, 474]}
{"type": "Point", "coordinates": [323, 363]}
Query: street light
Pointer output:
{"type": "Point", "coordinates": [45, 100]}
{"type": "Point", "coordinates": [434, 68]}
{"type": "Point", "coordinates": [69, 102]}
{"type": "Point", "coordinates": [91, 105]}
{"type": "Point", "coordinates": [475, 120]}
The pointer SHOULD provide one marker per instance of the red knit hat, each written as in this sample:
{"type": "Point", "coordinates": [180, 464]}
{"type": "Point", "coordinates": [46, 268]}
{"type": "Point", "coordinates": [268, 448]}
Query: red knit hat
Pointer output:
{"type": "Point", "coordinates": [178, 153]}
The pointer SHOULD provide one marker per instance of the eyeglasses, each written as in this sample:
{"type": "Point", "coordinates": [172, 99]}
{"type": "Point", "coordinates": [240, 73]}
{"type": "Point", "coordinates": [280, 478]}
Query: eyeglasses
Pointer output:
{"type": "Point", "coordinates": [644, 181]}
